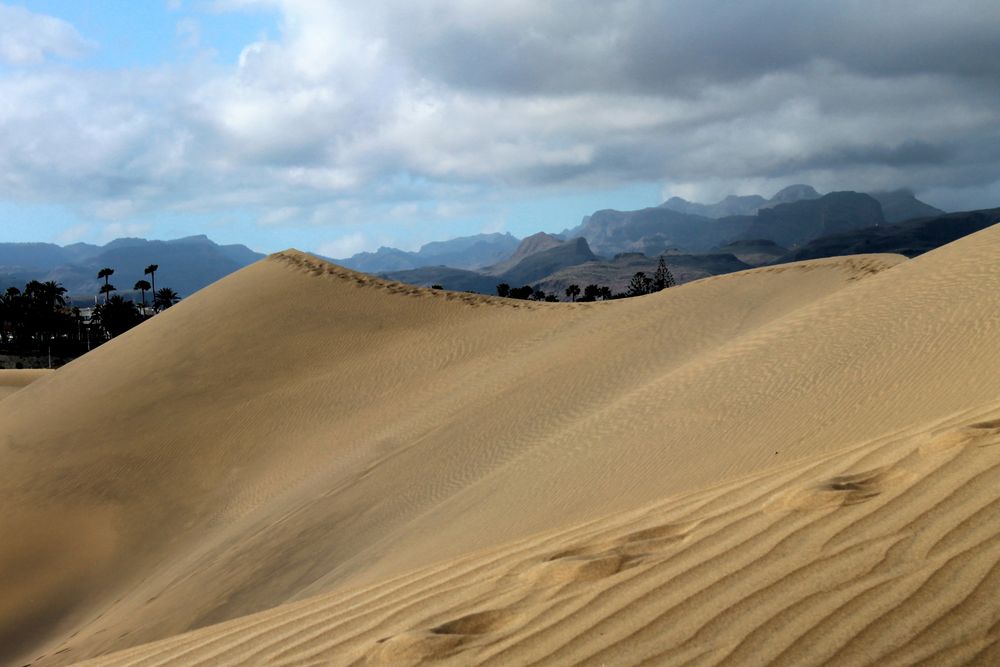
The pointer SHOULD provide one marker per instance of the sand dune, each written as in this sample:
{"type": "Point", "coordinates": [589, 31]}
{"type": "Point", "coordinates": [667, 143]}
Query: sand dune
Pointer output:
{"type": "Point", "coordinates": [791, 464]}
{"type": "Point", "coordinates": [12, 380]}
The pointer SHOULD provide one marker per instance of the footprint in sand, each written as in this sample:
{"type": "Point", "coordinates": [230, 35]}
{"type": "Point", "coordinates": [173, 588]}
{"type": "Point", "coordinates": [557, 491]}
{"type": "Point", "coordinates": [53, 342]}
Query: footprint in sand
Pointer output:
{"type": "Point", "coordinates": [839, 491]}
{"type": "Point", "coordinates": [970, 435]}
{"type": "Point", "coordinates": [441, 641]}
{"type": "Point", "coordinates": [590, 562]}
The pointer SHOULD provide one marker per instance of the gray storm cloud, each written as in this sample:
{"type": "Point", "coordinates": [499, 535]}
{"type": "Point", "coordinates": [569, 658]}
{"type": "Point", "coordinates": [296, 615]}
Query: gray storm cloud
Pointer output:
{"type": "Point", "coordinates": [457, 101]}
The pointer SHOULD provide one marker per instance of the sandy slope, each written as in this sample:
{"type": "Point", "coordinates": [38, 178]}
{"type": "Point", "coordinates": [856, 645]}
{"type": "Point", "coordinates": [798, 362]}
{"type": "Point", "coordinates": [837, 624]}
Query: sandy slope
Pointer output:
{"type": "Point", "coordinates": [12, 379]}
{"type": "Point", "coordinates": [790, 462]}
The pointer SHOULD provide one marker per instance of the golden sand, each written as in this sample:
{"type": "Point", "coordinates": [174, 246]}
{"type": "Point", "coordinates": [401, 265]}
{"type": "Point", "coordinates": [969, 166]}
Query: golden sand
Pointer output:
{"type": "Point", "coordinates": [303, 465]}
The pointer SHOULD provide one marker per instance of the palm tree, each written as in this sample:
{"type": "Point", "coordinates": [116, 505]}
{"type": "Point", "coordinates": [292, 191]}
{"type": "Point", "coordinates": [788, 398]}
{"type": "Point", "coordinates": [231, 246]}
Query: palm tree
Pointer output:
{"type": "Point", "coordinates": [52, 293]}
{"type": "Point", "coordinates": [572, 292]}
{"type": "Point", "coordinates": [142, 286]}
{"type": "Point", "coordinates": [151, 272]}
{"type": "Point", "coordinates": [164, 298]}
{"type": "Point", "coordinates": [107, 289]}
{"type": "Point", "coordinates": [116, 316]}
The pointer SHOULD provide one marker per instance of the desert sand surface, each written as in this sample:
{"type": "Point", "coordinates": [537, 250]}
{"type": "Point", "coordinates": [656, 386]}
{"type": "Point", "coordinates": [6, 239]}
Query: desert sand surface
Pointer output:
{"type": "Point", "coordinates": [305, 465]}
{"type": "Point", "coordinates": [15, 379]}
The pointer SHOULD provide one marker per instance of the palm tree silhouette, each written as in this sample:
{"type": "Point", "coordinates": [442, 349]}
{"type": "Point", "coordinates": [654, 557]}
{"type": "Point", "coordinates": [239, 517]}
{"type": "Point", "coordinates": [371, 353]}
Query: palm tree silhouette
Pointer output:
{"type": "Point", "coordinates": [164, 298]}
{"type": "Point", "coordinates": [151, 272]}
{"type": "Point", "coordinates": [142, 286]}
{"type": "Point", "coordinates": [116, 316]}
{"type": "Point", "coordinates": [572, 292]}
{"type": "Point", "coordinates": [108, 288]}
{"type": "Point", "coordinates": [52, 293]}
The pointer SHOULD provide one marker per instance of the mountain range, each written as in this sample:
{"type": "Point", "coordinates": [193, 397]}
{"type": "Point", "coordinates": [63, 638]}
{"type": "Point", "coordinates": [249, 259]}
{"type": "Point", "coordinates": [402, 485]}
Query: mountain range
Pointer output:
{"type": "Point", "coordinates": [795, 215]}
{"type": "Point", "coordinates": [606, 248]}
{"type": "Point", "coordinates": [186, 264]}
{"type": "Point", "coordinates": [465, 252]}
{"type": "Point", "coordinates": [609, 246]}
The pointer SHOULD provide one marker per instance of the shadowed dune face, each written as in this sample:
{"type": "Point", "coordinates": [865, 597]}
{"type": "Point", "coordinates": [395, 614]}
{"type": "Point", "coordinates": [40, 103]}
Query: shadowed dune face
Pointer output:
{"type": "Point", "coordinates": [298, 429]}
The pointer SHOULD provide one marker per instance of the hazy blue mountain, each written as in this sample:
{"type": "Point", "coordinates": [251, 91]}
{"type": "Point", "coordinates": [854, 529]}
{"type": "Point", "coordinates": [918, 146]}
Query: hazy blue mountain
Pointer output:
{"type": "Point", "coordinates": [792, 194]}
{"type": "Point", "coordinates": [738, 205]}
{"type": "Point", "coordinates": [899, 205]}
{"type": "Point", "coordinates": [32, 255]}
{"type": "Point", "coordinates": [469, 252]}
{"type": "Point", "coordinates": [529, 246]}
{"type": "Point", "coordinates": [653, 230]}
{"type": "Point", "coordinates": [466, 252]}
{"type": "Point", "coordinates": [536, 266]}
{"type": "Point", "coordinates": [186, 265]}
{"type": "Point", "coordinates": [910, 238]}
{"type": "Point", "coordinates": [731, 205]}
{"type": "Point", "coordinates": [528, 271]}
{"type": "Point", "coordinates": [806, 219]}
{"type": "Point", "coordinates": [383, 259]}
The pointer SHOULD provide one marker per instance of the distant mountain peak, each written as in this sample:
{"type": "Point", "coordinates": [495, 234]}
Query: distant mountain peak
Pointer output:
{"type": "Point", "coordinates": [793, 193]}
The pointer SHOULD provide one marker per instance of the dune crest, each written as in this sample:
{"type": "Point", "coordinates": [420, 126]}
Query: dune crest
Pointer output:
{"type": "Point", "coordinates": [303, 464]}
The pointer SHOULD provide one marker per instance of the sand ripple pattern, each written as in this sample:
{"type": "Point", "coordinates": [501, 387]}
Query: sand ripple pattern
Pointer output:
{"type": "Point", "coordinates": [887, 554]}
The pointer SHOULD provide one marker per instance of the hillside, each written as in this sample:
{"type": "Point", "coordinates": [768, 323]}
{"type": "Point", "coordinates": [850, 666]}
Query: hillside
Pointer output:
{"type": "Point", "coordinates": [778, 464]}
{"type": "Point", "coordinates": [755, 252]}
{"type": "Point", "coordinates": [464, 252]}
{"type": "Point", "coordinates": [186, 265]}
{"type": "Point", "coordinates": [539, 256]}
{"type": "Point", "coordinates": [528, 246]}
{"type": "Point", "coordinates": [802, 221]}
{"type": "Point", "coordinates": [736, 205]}
{"type": "Point", "coordinates": [616, 273]}
{"type": "Point", "coordinates": [910, 238]}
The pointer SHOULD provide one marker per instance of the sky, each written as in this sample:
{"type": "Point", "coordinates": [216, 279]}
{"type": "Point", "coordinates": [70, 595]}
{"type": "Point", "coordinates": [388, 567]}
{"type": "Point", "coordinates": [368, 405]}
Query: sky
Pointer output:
{"type": "Point", "coordinates": [340, 126]}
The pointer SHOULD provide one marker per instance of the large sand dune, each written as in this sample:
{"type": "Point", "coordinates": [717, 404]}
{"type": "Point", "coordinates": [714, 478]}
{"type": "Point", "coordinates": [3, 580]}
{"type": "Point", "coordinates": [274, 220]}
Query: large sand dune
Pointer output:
{"type": "Point", "coordinates": [792, 464]}
{"type": "Point", "coordinates": [13, 380]}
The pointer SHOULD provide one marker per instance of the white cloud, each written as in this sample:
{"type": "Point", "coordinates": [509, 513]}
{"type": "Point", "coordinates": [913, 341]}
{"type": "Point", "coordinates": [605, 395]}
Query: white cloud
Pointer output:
{"type": "Point", "coordinates": [189, 32]}
{"type": "Point", "coordinates": [417, 112]}
{"type": "Point", "coordinates": [27, 38]}
{"type": "Point", "coordinates": [73, 234]}
{"type": "Point", "coordinates": [116, 230]}
{"type": "Point", "coordinates": [344, 246]}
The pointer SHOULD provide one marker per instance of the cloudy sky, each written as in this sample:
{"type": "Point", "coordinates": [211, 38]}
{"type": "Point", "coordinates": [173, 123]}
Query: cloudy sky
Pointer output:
{"type": "Point", "coordinates": [341, 126]}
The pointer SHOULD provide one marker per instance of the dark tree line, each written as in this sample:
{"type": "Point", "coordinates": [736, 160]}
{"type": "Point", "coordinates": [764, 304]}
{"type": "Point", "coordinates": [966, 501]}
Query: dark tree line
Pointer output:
{"type": "Point", "coordinates": [639, 284]}
{"type": "Point", "coordinates": [38, 317]}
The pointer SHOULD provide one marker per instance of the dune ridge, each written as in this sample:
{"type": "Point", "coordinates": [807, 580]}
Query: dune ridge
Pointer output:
{"type": "Point", "coordinates": [301, 461]}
